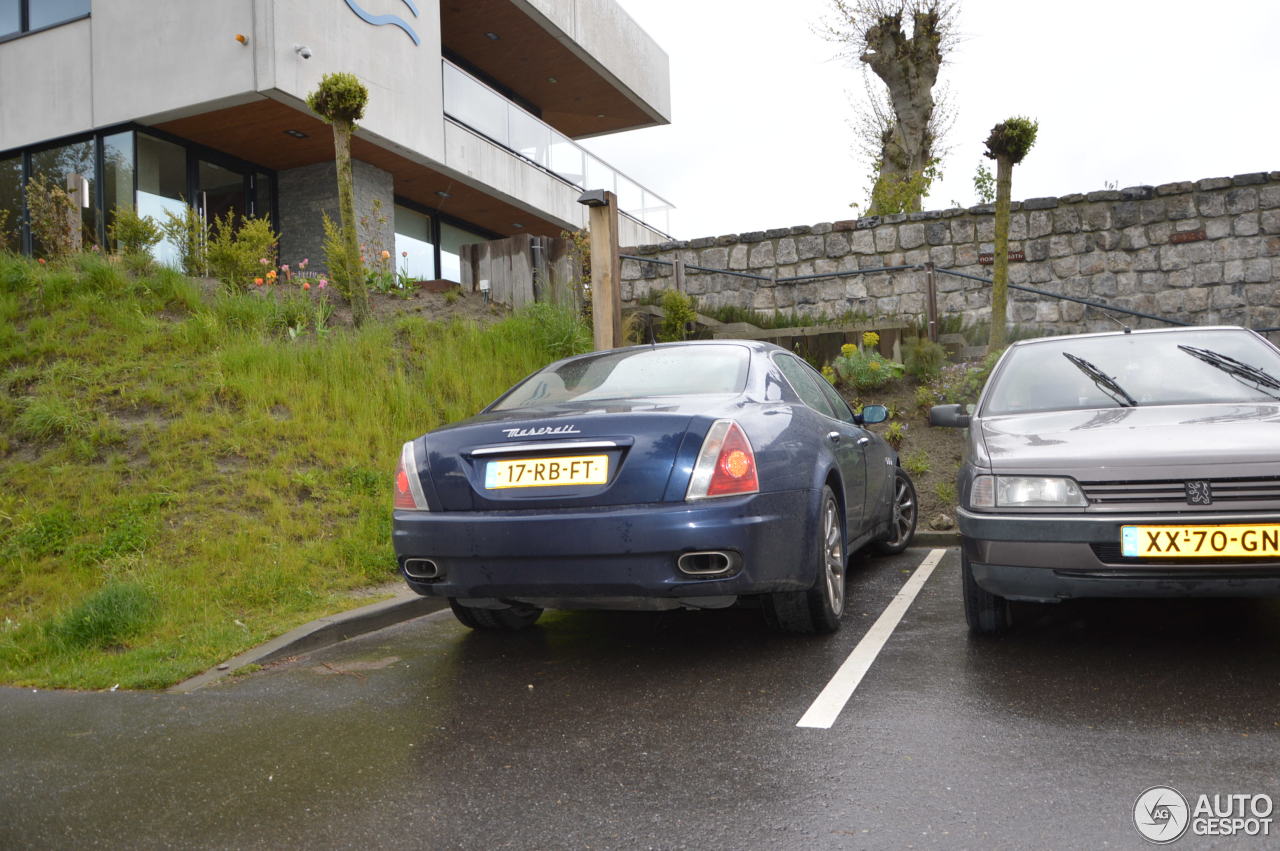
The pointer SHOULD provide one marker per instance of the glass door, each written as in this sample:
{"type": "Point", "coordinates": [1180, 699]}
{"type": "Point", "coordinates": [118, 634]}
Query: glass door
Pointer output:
{"type": "Point", "coordinates": [219, 191]}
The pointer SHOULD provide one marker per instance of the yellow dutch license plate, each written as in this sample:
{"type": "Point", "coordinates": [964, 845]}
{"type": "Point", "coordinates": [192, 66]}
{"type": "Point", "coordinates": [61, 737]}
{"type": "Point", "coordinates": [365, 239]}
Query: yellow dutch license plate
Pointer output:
{"type": "Point", "coordinates": [1246, 541]}
{"type": "Point", "coordinates": [547, 472]}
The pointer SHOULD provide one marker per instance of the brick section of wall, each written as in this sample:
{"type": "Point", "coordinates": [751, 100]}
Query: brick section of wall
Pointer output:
{"type": "Point", "coordinates": [310, 191]}
{"type": "Point", "coordinates": [1139, 248]}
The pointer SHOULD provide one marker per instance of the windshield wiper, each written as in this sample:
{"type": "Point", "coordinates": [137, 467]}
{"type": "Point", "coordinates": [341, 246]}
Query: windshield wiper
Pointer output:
{"type": "Point", "coordinates": [1105, 383]}
{"type": "Point", "coordinates": [1239, 370]}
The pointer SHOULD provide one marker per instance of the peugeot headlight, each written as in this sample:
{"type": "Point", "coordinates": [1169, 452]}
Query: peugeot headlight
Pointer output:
{"type": "Point", "coordinates": [1026, 492]}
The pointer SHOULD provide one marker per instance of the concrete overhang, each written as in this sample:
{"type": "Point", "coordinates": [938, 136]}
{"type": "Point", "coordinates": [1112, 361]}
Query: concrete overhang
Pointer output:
{"type": "Point", "coordinates": [256, 132]}
{"type": "Point", "coordinates": [582, 65]}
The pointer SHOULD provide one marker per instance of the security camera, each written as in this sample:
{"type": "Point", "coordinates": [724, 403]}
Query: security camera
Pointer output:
{"type": "Point", "coordinates": [302, 50]}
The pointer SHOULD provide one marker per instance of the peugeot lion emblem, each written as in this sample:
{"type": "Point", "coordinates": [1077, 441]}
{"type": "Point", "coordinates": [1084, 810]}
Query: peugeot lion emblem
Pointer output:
{"type": "Point", "coordinates": [1199, 493]}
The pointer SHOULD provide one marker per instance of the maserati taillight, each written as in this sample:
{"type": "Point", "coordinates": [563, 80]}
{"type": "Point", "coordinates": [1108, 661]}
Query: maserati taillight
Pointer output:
{"type": "Point", "coordinates": [726, 464]}
{"type": "Point", "coordinates": [408, 488]}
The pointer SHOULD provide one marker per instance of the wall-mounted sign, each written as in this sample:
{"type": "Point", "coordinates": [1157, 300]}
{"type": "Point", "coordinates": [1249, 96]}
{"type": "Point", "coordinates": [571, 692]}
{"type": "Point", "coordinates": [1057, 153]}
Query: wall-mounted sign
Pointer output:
{"type": "Point", "coordinates": [990, 259]}
{"type": "Point", "coordinates": [1188, 236]}
{"type": "Point", "coordinates": [387, 20]}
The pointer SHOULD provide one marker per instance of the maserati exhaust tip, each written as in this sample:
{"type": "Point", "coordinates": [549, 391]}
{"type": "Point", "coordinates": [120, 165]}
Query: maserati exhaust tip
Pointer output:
{"type": "Point", "coordinates": [421, 568]}
{"type": "Point", "coordinates": [708, 563]}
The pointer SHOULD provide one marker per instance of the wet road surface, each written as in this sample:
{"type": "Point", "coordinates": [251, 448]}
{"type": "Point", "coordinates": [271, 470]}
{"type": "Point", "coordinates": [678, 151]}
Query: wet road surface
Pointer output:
{"type": "Point", "coordinates": [675, 730]}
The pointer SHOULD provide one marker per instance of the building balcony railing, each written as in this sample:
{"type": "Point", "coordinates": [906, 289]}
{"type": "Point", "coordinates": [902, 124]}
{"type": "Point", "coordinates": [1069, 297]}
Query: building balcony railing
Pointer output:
{"type": "Point", "coordinates": [470, 102]}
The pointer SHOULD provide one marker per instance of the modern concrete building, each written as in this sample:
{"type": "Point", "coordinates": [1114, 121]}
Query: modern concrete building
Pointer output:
{"type": "Point", "coordinates": [473, 109]}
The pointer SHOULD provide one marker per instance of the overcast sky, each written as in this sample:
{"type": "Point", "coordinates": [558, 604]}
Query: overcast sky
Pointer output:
{"type": "Point", "coordinates": [1126, 91]}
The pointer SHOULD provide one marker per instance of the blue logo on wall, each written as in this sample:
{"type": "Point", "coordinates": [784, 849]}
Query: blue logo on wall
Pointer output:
{"type": "Point", "coordinates": [384, 20]}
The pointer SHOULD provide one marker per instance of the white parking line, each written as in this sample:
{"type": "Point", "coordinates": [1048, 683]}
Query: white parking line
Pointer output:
{"type": "Point", "coordinates": [826, 708]}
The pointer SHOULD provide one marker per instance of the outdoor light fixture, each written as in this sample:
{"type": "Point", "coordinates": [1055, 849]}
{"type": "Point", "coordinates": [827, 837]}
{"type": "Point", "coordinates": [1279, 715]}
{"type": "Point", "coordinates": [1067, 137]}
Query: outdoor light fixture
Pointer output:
{"type": "Point", "coordinates": [593, 198]}
{"type": "Point", "coordinates": [297, 134]}
{"type": "Point", "coordinates": [302, 50]}
{"type": "Point", "coordinates": [242, 38]}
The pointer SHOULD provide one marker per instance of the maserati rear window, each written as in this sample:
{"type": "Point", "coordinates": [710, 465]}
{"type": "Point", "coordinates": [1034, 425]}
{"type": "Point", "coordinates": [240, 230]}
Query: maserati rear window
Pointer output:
{"type": "Point", "coordinates": [635, 374]}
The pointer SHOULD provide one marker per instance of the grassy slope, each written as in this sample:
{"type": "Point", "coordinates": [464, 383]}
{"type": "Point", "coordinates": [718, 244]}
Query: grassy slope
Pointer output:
{"type": "Point", "coordinates": [182, 479]}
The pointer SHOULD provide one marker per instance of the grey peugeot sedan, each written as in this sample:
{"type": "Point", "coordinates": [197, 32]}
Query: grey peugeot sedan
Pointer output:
{"type": "Point", "coordinates": [1125, 464]}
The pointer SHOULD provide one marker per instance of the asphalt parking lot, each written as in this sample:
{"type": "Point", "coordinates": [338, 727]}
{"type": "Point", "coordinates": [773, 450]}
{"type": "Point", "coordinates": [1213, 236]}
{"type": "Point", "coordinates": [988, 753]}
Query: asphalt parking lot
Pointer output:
{"type": "Point", "coordinates": [678, 730]}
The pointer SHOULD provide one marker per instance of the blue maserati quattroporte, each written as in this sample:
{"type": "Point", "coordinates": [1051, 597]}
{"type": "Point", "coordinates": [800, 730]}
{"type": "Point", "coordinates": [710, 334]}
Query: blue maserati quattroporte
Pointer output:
{"type": "Point", "coordinates": [682, 475]}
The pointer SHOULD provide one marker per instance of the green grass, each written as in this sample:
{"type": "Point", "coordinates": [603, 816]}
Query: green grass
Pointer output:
{"type": "Point", "coordinates": [187, 477]}
{"type": "Point", "coordinates": [916, 462]}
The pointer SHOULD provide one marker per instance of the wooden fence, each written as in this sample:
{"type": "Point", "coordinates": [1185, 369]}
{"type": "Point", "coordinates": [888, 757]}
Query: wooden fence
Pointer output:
{"type": "Point", "coordinates": [522, 269]}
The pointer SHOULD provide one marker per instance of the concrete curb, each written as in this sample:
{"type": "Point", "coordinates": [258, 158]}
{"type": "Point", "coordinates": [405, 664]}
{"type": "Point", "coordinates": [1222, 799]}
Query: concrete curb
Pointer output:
{"type": "Point", "coordinates": [324, 632]}
{"type": "Point", "coordinates": [936, 539]}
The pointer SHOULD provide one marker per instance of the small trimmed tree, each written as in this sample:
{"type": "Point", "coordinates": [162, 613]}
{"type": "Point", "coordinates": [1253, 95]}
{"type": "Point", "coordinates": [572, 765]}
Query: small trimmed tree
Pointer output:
{"type": "Point", "coordinates": [1008, 143]}
{"type": "Point", "coordinates": [340, 100]}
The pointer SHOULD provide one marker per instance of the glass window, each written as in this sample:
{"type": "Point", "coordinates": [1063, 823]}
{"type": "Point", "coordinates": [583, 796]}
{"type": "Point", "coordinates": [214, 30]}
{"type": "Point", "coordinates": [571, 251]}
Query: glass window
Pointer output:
{"type": "Point", "coordinates": [57, 165]}
{"type": "Point", "coordinates": [117, 177]}
{"type": "Point", "coordinates": [45, 13]}
{"type": "Point", "coordinates": [452, 238]}
{"type": "Point", "coordinates": [415, 249]}
{"type": "Point", "coordinates": [222, 192]}
{"type": "Point", "coordinates": [10, 17]}
{"type": "Point", "coordinates": [162, 186]}
{"type": "Point", "coordinates": [636, 373]}
{"type": "Point", "coordinates": [803, 382]}
{"type": "Point", "coordinates": [11, 204]}
{"type": "Point", "coordinates": [835, 400]}
{"type": "Point", "coordinates": [1166, 368]}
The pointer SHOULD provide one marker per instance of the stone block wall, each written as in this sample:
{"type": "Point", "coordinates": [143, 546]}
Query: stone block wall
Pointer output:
{"type": "Point", "coordinates": [309, 191]}
{"type": "Point", "coordinates": [1205, 252]}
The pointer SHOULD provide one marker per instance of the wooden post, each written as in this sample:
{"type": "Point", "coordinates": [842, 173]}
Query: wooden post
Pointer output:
{"type": "Point", "coordinates": [606, 274]}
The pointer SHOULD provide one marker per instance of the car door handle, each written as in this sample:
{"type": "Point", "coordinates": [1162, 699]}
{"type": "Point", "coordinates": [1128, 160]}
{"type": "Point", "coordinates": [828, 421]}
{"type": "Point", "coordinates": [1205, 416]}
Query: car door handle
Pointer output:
{"type": "Point", "coordinates": [833, 436]}
{"type": "Point", "coordinates": [863, 441]}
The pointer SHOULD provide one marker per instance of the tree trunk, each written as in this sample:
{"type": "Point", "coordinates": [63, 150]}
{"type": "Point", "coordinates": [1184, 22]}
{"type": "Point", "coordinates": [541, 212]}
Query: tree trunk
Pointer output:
{"type": "Point", "coordinates": [1000, 269]}
{"type": "Point", "coordinates": [909, 69]}
{"type": "Point", "coordinates": [354, 268]}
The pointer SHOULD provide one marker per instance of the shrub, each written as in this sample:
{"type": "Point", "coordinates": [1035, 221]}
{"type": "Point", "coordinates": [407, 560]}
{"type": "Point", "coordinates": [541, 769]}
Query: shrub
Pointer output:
{"type": "Point", "coordinates": [133, 234]}
{"type": "Point", "coordinates": [189, 234]}
{"type": "Point", "coordinates": [119, 610]}
{"type": "Point", "coordinates": [52, 216]}
{"type": "Point", "coordinates": [924, 358]}
{"type": "Point", "coordinates": [945, 491]}
{"type": "Point", "coordinates": [678, 313]}
{"type": "Point", "coordinates": [895, 434]}
{"type": "Point", "coordinates": [237, 250]}
{"type": "Point", "coordinates": [8, 233]}
{"type": "Point", "coordinates": [335, 258]}
{"type": "Point", "coordinates": [863, 370]}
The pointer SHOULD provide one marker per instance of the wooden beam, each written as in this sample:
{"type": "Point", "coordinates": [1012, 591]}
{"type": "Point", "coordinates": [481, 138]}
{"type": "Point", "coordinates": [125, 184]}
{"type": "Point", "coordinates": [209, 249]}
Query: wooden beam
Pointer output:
{"type": "Point", "coordinates": [606, 275]}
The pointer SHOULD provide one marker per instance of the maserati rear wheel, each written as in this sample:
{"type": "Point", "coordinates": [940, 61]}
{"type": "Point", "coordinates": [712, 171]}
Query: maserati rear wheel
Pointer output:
{"type": "Point", "coordinates": [818, 610]}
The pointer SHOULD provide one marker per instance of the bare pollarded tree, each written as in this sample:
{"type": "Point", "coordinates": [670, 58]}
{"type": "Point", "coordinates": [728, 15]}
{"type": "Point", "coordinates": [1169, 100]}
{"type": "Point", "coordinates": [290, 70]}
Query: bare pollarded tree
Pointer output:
{"type": "Point", "coordinates": [904, 43]}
